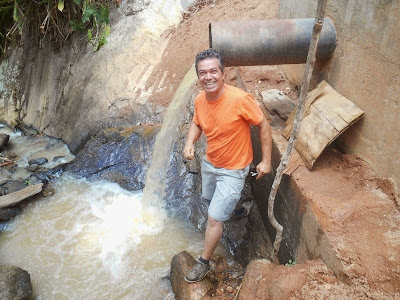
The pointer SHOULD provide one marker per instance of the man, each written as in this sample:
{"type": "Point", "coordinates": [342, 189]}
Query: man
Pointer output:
{"type": "Point", "coordinates": [224, 113]}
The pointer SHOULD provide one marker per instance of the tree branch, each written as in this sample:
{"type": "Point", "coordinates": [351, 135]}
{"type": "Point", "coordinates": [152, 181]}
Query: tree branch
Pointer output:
{"type": "Point", "coordinates": [319, 19]}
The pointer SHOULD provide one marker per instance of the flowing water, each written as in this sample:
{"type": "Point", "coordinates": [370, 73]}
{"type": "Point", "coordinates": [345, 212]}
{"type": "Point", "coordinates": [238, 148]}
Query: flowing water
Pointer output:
{"type": "Point", "coordinates": [87, 241]}
{"type": "Point", "coordinates": [95, 240]}
{"type": "Point", "coordinates": [165, 140]}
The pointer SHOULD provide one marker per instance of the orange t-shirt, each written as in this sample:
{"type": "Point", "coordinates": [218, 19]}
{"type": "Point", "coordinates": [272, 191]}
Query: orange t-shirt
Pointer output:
{"type": "Point", "coordinates": [226, 124]}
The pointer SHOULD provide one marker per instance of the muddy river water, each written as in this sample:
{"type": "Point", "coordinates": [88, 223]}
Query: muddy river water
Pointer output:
{"type": "Point", "coordinates": [89, 241]}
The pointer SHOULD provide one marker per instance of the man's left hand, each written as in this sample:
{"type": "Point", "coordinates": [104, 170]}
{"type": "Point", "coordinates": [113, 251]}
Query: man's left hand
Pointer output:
{"type": "Point", "coordinates": [262, 169]}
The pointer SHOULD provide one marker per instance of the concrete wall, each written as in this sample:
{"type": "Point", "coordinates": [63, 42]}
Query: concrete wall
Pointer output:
{"type": "Point", "coordinates": [365, 69]}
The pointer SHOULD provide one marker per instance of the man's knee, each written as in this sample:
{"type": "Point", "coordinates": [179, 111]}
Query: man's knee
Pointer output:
{"type": "Point", "coordinates": [213, 223]}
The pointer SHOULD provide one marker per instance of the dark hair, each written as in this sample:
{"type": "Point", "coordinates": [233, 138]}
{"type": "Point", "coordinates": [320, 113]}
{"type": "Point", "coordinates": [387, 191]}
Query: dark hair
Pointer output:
{"type": "Point", "coordinates": [209, 53]}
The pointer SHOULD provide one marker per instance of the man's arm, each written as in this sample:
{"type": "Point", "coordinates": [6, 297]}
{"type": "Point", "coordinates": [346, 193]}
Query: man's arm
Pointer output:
{"type": "Point", "coordinates": [193, 136]}
{"type": "Point", "coordinates": [264, 166]}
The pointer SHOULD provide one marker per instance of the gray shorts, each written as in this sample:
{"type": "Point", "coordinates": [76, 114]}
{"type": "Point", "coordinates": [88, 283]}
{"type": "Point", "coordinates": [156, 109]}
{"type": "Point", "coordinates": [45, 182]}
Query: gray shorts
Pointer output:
{"type": "Point", "coordinates": [223, 188]}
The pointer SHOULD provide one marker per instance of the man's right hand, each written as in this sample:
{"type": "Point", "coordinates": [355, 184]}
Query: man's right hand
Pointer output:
{"type": "Point", "coordinates": [193, 135]}
{"type": "Point", "coordinates": [188, 152]}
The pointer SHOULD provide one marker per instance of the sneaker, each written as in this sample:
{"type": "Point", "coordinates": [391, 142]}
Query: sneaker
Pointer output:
{"type": "Point", "coordinates": [236, 216]}
{"type": "Point", "coordinates": [198, 272]}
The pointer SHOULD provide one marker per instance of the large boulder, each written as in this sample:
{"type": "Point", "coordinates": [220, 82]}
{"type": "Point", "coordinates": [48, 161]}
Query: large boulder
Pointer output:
{"type": "Point", "coordinates": [180, 265]}
{"type": "Point", "coordinates": [15, 283]}
{"type": "Point", "coordinates": [120, 155]}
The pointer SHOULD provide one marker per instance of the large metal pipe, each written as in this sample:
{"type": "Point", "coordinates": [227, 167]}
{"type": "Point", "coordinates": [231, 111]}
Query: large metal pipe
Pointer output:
{"type": "Point", "coordinates": [270, 42]}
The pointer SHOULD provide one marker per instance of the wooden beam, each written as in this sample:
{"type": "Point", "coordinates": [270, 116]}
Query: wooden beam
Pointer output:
{"type": "Point", "coordinates": [20, 195]}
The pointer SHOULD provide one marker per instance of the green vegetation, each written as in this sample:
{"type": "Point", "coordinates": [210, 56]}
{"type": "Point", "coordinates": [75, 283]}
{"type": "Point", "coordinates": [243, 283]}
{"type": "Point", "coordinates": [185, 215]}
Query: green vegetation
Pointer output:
{"type": "Point", "coordinates": [54, 20]}
{"type": "Point", "coordinates": [290, 263]}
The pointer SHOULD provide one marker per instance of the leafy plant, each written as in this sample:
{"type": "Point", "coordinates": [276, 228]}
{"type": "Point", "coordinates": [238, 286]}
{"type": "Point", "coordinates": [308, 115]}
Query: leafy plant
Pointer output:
{"type": "Point", "coordinates": [54, 20]}
{"type": "Point", "coordinates": [290, 263]}
{"type": "Point", "coordinates": [97, 16]}
{"type": "Point", "coordinates": [27, 181]}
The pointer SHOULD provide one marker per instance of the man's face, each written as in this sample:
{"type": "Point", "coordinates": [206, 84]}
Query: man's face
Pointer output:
{"type": "Point", "coordinates": [211, 77]}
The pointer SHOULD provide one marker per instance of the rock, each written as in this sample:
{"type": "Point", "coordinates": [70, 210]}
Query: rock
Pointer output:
{"type": "Point", "coordinates": [15, 283]}
{"type": "Point", "coordinates": [4, 138]}
{"type": "Point", "coordinates": [256, 271]}
{"type": "Point", "coordinates": [48, 191]}
{"type": "Point", "coordinates": [255, 243]}
{"type": "Point", "coordinates": [120, 155]}
{"type": "Point", "coordinates": [58, 158]}
{"type": "Point", "coordinates": [46, 175]}
{"type": "Point", "coordinates": [87, 107]}
{"type": "Point", "coordinates": [180, 265]}
{"type": "Point", "coordinates": [33, 168]}
{"type": "Point", "coordinates": [38, 161]}
{"type": "Point", "coordinates": [277, 103]}
{"type": "Point", "coordinates": [11, 186]}
{"type": "Point", "coordinates": [8, 213]}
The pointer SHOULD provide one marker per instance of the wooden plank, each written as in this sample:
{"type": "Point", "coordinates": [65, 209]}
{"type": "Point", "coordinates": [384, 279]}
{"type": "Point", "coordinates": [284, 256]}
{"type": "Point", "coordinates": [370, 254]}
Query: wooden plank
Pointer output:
{"type": "Point", "coordinates": [327, 114]}
{"type": "Point", "coordinates": [311, 97]}
{"type": "Point", "coordinates": [294, 162]}
{"type": "Point", "coordinates": [239, 81]}
{"type": "Point", "coordinates": [20, 195]}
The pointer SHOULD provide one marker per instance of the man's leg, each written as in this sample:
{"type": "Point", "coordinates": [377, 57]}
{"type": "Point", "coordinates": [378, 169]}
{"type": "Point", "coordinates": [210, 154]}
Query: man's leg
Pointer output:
{"type": "Point", "coordinates": [228, 185]}
{"type": "Point", "coordinates": [212, 237]}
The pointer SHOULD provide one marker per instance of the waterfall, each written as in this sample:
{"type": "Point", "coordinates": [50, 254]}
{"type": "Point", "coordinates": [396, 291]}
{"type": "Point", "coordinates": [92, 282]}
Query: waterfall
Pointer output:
{"type": "Point", "coordinates": [154, 190]}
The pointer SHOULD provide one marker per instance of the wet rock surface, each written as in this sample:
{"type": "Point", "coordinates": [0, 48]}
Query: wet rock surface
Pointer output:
{"type": "Point", "coordinates": [8, 213]}
{"type": "Point", "coordinates": [223, 281]}
{"type": "Point", "coordinates": [28, 158]}
{"type": "Point", "coordinates": [15, 283]}
{"type": "Point", "coordinates": [120, 155]}
{"type": "Point", "coordinates": [4, 138]}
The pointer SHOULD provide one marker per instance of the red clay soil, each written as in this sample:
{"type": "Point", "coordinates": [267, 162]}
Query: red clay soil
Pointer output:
{"type": "Point", "coordinates": [358, 213]}
{"type": "Point", "coordinates": [361, 218]}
